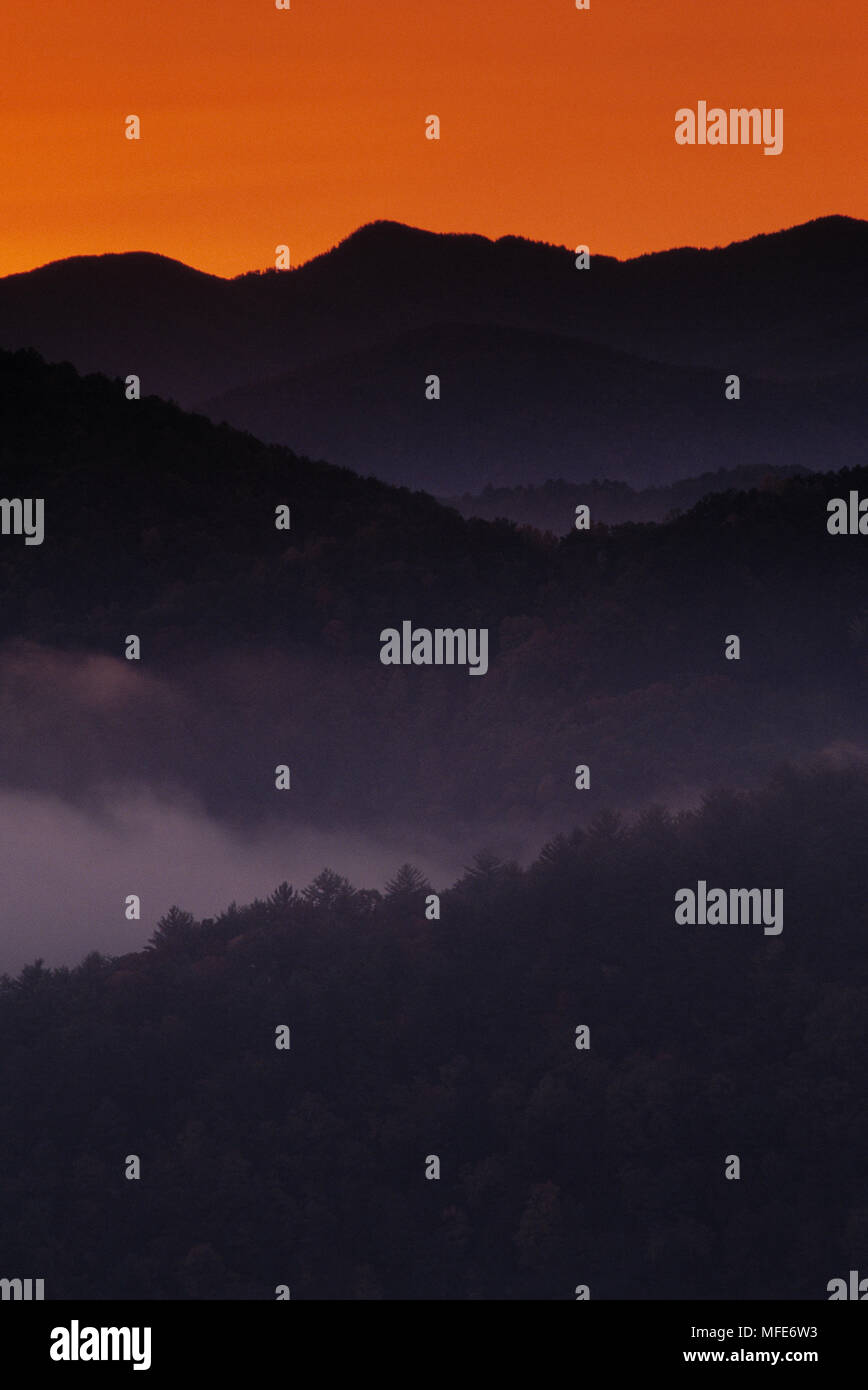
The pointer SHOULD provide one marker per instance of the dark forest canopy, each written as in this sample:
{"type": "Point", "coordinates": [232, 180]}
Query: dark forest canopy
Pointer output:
{"type": "Point", "coordinates": [456, 1037]}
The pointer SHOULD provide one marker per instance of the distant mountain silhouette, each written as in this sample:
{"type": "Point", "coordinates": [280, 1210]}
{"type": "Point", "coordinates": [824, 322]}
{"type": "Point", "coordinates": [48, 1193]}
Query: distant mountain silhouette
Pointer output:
{"type": "Point", "coordinates": [519, 407]}
{"type": "Point", "coordinates": [550, 506]}
{"type": "Point", "coordinates": [332, 357]}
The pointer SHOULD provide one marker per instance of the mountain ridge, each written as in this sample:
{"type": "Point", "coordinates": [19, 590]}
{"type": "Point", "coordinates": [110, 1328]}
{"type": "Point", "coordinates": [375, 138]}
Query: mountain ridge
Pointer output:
{"type": "Point", "coordinates": [800, 230]}
{"type": "Point", "coordinates": [783, 307]}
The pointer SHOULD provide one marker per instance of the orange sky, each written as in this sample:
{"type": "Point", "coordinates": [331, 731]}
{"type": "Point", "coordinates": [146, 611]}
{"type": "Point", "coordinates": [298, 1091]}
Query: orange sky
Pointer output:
{"type": "Point", "coordinates": [262, 126]}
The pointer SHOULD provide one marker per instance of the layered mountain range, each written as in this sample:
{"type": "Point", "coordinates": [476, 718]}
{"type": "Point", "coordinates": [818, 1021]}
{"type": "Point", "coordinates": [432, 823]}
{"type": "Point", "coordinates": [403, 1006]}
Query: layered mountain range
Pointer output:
{"type": "Point", "coordinates": [544, 371]}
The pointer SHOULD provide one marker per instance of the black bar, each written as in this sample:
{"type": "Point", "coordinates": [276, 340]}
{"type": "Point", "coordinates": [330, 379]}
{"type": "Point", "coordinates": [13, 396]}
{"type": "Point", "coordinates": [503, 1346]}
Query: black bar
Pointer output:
{"type": "Point", "coordinates": [317, 1340]}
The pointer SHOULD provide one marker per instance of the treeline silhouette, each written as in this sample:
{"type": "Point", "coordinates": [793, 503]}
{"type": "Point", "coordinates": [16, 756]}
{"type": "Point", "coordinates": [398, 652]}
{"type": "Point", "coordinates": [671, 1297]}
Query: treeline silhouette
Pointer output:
{"type": "Point", "coordinates": [413, 1037]}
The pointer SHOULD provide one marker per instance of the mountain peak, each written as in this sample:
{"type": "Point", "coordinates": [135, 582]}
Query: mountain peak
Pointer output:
{"type": "Point", "coordinates": [112, 266]}
{"type": "Point", "coordinates": [391, 241]}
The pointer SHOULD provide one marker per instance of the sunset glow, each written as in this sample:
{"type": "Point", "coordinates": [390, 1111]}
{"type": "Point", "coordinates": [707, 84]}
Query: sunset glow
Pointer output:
{"type": "Point", "coordinates": [262, 126]}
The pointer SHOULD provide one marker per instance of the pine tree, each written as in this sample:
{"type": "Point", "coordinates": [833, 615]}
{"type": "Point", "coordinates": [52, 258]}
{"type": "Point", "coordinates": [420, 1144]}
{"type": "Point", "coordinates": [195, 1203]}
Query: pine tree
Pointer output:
{"type": "Point", "coordinates": [408, 882]}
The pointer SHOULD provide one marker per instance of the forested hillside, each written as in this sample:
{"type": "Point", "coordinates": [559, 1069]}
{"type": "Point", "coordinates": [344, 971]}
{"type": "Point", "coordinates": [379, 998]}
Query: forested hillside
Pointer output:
{"type": "Point", "coordinates": [262, 646]}
{"type": "Point", "coordinates": [456, 1038]}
